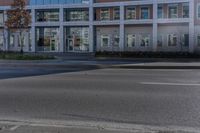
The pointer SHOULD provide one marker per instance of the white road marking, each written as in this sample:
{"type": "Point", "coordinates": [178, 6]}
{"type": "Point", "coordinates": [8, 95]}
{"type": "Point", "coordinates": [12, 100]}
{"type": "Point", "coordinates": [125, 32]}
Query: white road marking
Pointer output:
{"type": "Point", "coordinates": [169, 84]}
{"type": "Point", "coordinates": [14, 128]}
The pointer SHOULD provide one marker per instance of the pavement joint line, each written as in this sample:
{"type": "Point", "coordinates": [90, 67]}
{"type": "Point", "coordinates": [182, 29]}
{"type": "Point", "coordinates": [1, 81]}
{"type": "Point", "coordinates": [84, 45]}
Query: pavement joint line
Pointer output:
{"type": "Point", "coordinates": [168, 84]}
{"type": "Point", "coordinates": [105, 126]}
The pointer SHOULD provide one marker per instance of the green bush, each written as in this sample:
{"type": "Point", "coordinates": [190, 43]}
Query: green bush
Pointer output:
{"type": "Point", "coordinates": [19, 56]}
{"type": "Point", "coordinates": [148, 54]}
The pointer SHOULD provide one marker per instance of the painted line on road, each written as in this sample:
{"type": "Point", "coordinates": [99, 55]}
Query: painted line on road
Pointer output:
{"type": "Point", "coordinates": [169, 84]}
{"type": "Point", "coordinates": [14, 127]}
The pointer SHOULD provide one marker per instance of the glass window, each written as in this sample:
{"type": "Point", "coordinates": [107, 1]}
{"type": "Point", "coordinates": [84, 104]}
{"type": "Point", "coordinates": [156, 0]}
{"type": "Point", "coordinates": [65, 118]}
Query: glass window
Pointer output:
{"type": "Point", "coordinates": [172, 40]}
{"type": "Point", "coordinates": [144, 13]}
{"type": "Point", "coordinates": [186, 10]}
{"type": "Point", "coordinates": [105, 14]}
{"type": "Point", "coordinates": [160, 11]}
{"type": "Point", "coordinates": [130, 13]}
{"type": "Point", "coordinates": [144, 40]}
{"type": "Point", "coordinates": [47, 16]}
{"type": "Point", "coordinates": [116, 40]}
{"type": "Point", "coordinates": [1, 41]}
{"type": "Point", "coordinates": [160, 40]}
{"type": "Point", "coordinates": [47, 2]}
{"type": "Point", "coordinates": [12, 37]}
{"type": "Point", "coordinates": [185, 40]}
{"type": "Point", "coordinates": [105, 40]}
{"type": "Point", "coordinates": [78, 39]}
{"type": "Point", "coordinates": [131, 40]}
{"type": "Point", "coordinates": [173, 11]}
{"type": "Point", "coordinates": [77, 15]}
{"type": "Point", "coordinates": [116, 14]}
{"type": "Point", "coordinates": [198, 40]}
{"type": "Point", "coordinates": [198, 11]}
{"type": "Point", "coordinates": [1, 19]}
{"type": "Point", "coordinates": [47, 39]}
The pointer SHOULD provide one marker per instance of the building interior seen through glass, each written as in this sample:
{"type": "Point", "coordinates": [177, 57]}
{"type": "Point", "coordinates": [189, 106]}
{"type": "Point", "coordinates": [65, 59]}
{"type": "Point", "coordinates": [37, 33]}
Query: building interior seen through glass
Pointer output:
{"type": "Point", "coordinates": [77, 39]}
{"type": "Point", "coordinates": [47, 39]}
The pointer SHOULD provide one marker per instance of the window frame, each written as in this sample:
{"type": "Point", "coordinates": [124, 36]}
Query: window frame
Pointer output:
{"type": "Point", "coordinates": [168, 13]}
{"type": "Point", "coordinates": [173, 36]}
{"type": "Point", "coordinates": [101, 14]}
{"type": "Point", "coordinates": [105, 36]}
{"type": "Point", "coordinates": [132, 38]}
{"type": "Point", "coordinates": [127, 9]}
{"type": "Point", "coordinates": [148, 12]}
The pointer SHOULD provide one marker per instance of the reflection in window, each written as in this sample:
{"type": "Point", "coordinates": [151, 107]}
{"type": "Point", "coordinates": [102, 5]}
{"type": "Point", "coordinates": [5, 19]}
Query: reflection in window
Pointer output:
{"type": "Point", "coordinates": [160, 11]}
{"type": "Point", "coordinates": [47, 39]}
{"type": "Point", "coordinates": [130, 40]}
{"type": "Point", "coordinates": [172, 40]}
{"type": "Point", "coordinates": [145, 40]}
{"type": "Point", "coordinates": [116, 15]}
{"type": "Point", "coordinates": [160, 41]}
{"type": "Point", "coordinates": [173, 11]}
{"type": "Point", "coordinates": [105, 14]}
{"type": "Point", "coordinates": [130, 13]}
{"type": "Point", "coordinates": [198, 40]}
{"type": "Point", "coordinates": [105, 40]}
{"type": "Point", "coordinates": [116, 40]}
{"type": "Point", "coordinates": [12, 40]}
{"type": "Point", "coordinates": [47, 15]}
{"type": "Point", "coordinates": [1, 41]}
{"type": "Point", "coordinates": [77, 15]}
{"type": "Point", "coordinates": [185, 10]}
{"type": "Point", "coordinates": [144, 13]}
{"type": "Point", "coordinates": [185, 40]}
{"type": "Point", "coordinates": [1, 19]}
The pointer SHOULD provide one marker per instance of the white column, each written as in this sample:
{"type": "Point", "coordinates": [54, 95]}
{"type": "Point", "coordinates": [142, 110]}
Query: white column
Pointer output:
{"type": "Point", "coordinates": [33, 39]}
{"type": "Point", "coordinates": [61, 46]}
{"type": "Point", "coordinates": [155, 25]}
{"type": "Point", "coordinates": [91, 27]}
{"type": "Point", "coordinates": [121, 29]}
{"type": "Point", "coordinates": [191, 27]}
{"type": "Point", "coordinates": [6, 34]}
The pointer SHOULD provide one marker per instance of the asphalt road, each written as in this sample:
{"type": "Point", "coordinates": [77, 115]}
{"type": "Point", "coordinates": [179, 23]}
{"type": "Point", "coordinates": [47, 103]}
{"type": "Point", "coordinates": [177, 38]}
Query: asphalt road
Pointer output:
{"type": "Point", "coordinates": [147, 97]}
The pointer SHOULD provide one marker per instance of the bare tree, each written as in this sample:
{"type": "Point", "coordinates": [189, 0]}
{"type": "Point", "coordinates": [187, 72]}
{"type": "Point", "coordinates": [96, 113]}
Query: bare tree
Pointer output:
{"type": "Point", "coordinates": [19, 19]}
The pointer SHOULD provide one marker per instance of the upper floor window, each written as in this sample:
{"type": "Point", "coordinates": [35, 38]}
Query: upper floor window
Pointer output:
{"type": "Point", "coordinates": [130, 13]}
{"type": "Point", "coordinates": [77, 15]}
{"type": "Point", "coordinates": [185, 10]}
{"type": "Point", "coordinates": [160, 11]}
{"type": "Point", "coordinates": [198, 11]}
{"type": "Point", "coordinates": [144, 13]}
{"type": "Point", "coordinates": [173, 11]}
{"type": "Point", "coordinates": [47, 15]}
{"type": "Point", "coordinates": [105, 14]}
{"type": "Point", "coordinates": [48, 2]}
{"type": "Point", "coordinates": [116, 15]}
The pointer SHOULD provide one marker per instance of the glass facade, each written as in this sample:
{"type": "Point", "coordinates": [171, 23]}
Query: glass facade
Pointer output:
{"type": "Point", "coordinates": [77, 39]}
{"type": "Point", "coordinates": [47, 39]}
{"type": "Point", "coordinates": [173, 11]}
{"type": "Point", "coordinates": [49, 2]}
{"type": "Point", "coordinates": [1, 19]}
{"type": "Point", "coordinates": [144, 13]}
{"type": "Point", "coordinates": [47, 15]}
{"type": "Point", "coordinates": [130, 13]}
{"type": "Point", "coordinates": [76, 15]}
